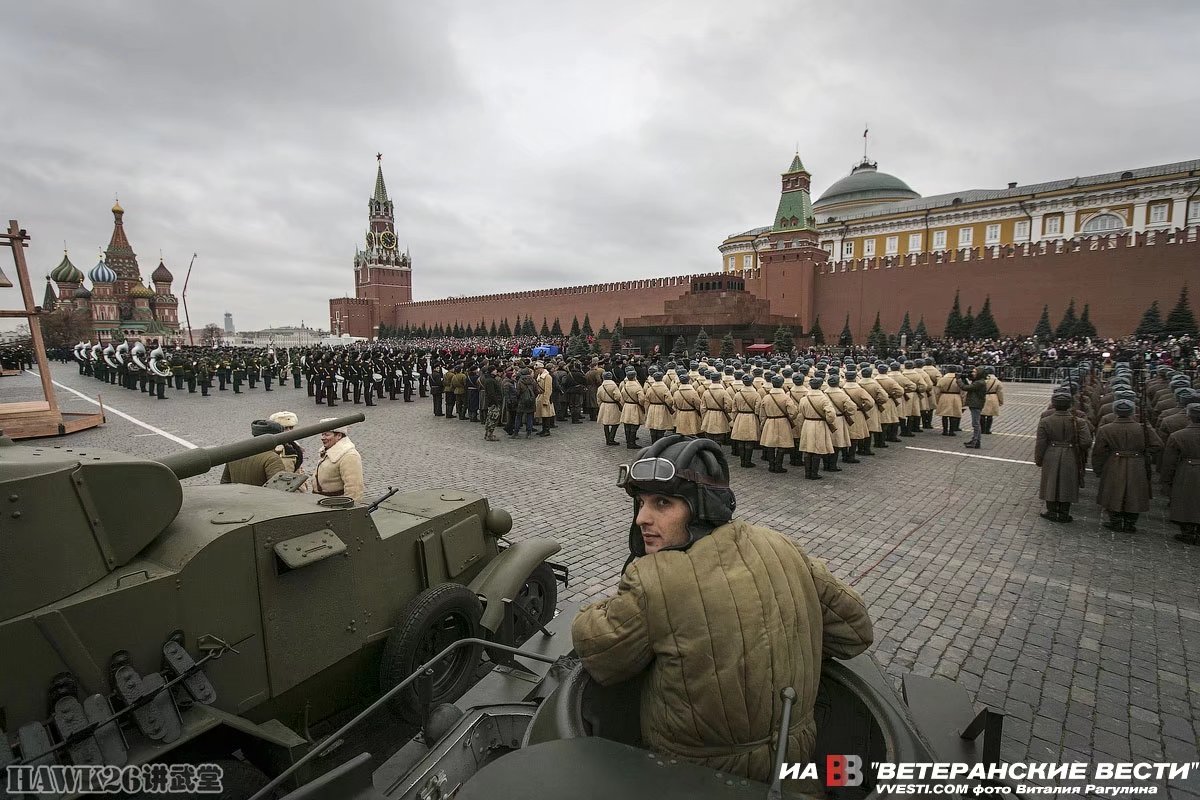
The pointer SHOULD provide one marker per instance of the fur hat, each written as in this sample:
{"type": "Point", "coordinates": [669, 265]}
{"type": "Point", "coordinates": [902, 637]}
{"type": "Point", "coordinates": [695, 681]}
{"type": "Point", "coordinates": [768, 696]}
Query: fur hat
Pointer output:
{"type": "Point", "coordinates": [287, 419]}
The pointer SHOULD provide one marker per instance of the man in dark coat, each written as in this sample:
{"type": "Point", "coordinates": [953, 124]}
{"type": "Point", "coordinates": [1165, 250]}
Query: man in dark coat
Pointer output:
{"type": "Point", "coordinates": [1181, 477]}
{"type": "Point", "coordinates": [973, 398]}
{"type": "Point", "coordinates": [493, 397]}
{"type": "Point", "coordinates": [1062, 444]}
{"type": "Point", "coordinates": [1121, 457]}
{"type": "Point", "coordinates": [436, 381]}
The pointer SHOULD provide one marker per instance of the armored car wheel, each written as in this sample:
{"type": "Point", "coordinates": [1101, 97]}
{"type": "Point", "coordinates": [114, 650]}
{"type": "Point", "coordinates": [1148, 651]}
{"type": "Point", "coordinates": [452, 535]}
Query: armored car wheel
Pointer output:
{"type": "Point", "coordinates": [538, 596]}
{"type": "Point", "coordinates": [437, 617]}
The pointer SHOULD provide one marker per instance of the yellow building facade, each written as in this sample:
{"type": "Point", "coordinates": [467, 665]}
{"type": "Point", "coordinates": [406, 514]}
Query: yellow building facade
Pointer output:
{"type": "Point", "coordinates": [869, 213]}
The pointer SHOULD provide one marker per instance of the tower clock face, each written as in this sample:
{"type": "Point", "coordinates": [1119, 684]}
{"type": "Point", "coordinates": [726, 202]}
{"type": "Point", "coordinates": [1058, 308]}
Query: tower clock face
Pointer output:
{"type": "Point", "coordinates": [370, 239]}
{"type": "Point", "coordinates": [388, 240]}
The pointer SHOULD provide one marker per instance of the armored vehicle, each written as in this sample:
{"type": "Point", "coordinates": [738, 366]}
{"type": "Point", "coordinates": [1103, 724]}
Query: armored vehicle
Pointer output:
{"type": "Point", "coordinates": [546, 731]}
{"type": "Point", "coordinates": [144, 621]}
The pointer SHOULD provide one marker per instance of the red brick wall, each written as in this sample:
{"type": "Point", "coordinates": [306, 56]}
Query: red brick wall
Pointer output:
{"type": "Point", "coordinates": [1119, 278]}
{"type": "Point", "coordinates": [357, 316]}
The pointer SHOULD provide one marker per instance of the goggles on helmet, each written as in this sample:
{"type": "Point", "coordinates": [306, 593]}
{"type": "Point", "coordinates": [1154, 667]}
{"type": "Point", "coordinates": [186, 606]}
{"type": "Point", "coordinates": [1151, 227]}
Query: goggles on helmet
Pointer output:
{"type": "Point", "coordinates": [646, 470]}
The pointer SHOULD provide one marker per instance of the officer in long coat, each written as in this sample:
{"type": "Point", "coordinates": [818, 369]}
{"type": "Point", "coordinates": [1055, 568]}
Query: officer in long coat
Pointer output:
{"type": "Point", "coordinates": [608, 395]}
{"type": "Point", "coordinates": [992, 402]}
{"type": "Point", "coordinates": [1061, 450]}
{"type": "Point", "coordinates": [745, 430]}
{"type": "Point", "coordinates": [892, 413]}
{"type": "Point", "coordinates": [948, 401]}
{"type": "Point", "coordinates": [928, 401]}
{"type": "Point", "coordinates": [777, 413]}
{"type": "Point", "coordinates": [718, 410]}
{"type": "Point", "coordinates": [545, 402]}
{"type": "Point", "coordinates": [594, 377]}
{"type": "Point", "coordinates": [633, 411]}
{"type": "Point", "coordinates": [687, 407]}
{"type": "Point", "coordinates": [1121, 457]}
{"type": "Point", "coordinates": [1181, 477]}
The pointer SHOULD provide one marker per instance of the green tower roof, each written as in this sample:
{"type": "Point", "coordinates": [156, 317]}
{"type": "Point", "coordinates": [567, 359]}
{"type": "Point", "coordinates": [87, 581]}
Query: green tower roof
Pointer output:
{"type": "Point", "coordinates": [797, 165]}
{"type": "Point", "coordinates": [380, 188]}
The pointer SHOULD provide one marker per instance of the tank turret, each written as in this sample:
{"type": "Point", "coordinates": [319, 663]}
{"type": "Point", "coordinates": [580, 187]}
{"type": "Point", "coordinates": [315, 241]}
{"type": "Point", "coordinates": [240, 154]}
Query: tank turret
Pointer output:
{"type": "Point", "coordinates": [90, 511]}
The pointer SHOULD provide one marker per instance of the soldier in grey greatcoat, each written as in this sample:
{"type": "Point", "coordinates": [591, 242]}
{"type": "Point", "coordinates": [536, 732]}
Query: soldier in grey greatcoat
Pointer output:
{"type": "Point", "coordinates": [1061, 450]}
{"type": "Point", "coordinates": [1181, 477]}
{"type": "Point", "coordinates": [1121, 457]}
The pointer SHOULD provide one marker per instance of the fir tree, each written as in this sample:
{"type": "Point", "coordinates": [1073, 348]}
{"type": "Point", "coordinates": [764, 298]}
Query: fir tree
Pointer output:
{"type": "Point", "coordinates": [954, 321]}
{"type": "Point", "coordinates": [680, 346]}
{"type": "Point", "coordinates": [1151, 325]}
{"type": "Point", "coordinates": [784, 343]}
{"type": "Point", "coordinates": [577, 346]}
{"type": "Point", "coordinates": [1084, 328]}
{"type": "Point", "coordinates": [921, 334]}
{"type": "Point", "coordinates": [529, 329]}
{"type": "Point", "coordinates": [815, 333]}
{"type": "Point", "coordinates": [702, 342]}
{"type": "Point", "coordinates": [985, 326]}
{"type": "Point", "coordinates": [556, 328]}
{"type": "Point", "coordinates": [504, 330]}
{"type": "Point", "coordinates": [905, 327]}
{"type": "Point", "coordinates": [1181, 321]}
{"type": "Point", "coordinates": [545, 331]}
{"type": "Point", "coordinates": [493, 331]}
{"type": "Point", "coordinates": [575, 325]}
{"type": "Point", "coordinates": [604, 332]}
{"type": "Point", "coordinates": [619, 329]}
{"type": "Point", "coordinates": [586, 330]}
{"type": "Point", "coordinates": [968, 323]}
{"type": "Point", "coordinates": [727, 350]}
{"type": "Point", "coordinates": [617, 341]}
{"type": "Point", "coordinates": [1042, 331]}
{"type": "Point", "coordinates": [846, 338]}
{"type": "Point", "coordinates": [1066, 328]}
{"type": "Point", "coordinates": [877, 339]}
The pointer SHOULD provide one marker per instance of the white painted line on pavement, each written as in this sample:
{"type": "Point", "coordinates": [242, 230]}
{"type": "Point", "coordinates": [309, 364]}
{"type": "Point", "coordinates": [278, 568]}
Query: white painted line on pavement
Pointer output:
{"type": "Point", "coordinates": [110, 410]}
{"type": "Point", "coordinates": [1018, 435]}
{"type": "Point", "coordinates": [967, 455]}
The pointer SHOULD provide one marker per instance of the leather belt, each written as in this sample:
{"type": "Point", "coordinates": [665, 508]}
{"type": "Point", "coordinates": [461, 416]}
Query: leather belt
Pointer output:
{"type": "Point", "coordinates": [1062, 444]}
{"type": "Point", "coordinates": [1128, 453]}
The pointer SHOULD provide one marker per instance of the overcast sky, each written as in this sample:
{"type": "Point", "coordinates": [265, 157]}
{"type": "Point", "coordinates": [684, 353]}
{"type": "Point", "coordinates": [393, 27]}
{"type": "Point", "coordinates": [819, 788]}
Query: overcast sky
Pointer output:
{"type": "Point", "coordinates": [532, 145]}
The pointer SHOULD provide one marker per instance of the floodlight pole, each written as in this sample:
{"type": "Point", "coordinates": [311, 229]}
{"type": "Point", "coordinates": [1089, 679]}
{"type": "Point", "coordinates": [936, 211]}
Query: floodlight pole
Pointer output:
{"type": "Point", "coordinates": [186, 316]}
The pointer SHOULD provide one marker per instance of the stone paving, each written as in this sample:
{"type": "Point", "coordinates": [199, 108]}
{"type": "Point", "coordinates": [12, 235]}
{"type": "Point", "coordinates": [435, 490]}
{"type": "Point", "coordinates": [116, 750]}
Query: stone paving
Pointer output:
{"type": "Point", "coordinates": [1088, 640]}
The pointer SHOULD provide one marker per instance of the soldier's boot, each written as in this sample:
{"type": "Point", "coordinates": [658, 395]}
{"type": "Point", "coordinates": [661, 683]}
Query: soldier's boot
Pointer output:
{"type": "Point", "coordinates": [848, 456]}
{"type": "Point", "coordinates": [927, 419]}
{"type": "Point", "coordinates": [1188, 533]}
{"type": "Point", "coordinates": [812, 467]}
{"type": "Point", "coordinates": [357, 393]}
{"type": "Point", "coordinates": [267, 382]}
{"type": "Point", "coordinates": [237, 386]}
{"type": "Point", "coordinates": [296, 381]}
{"type": "Point", "coordinates": [766, 456]}
{"type": "Point", "coordinates": [830, 462]}
{"type": "Point", "coordinates": [610, 435]}
{"type": "Point", "coordinates": [779, 467]}
{"type": "Point", "coordinates": [331, 395]}
{"type": "Point", "coordinates": [631, 436]}
{"type": "Point", "coordinates": [392, 394]}
{"type": "Point", "coordinates": [1129, 522]}
{"type": "Point", "coordinates": [1051, 513]}
{"type": "Point", "coordinates": [795, 458]}
{"type": "Point", "coordinates": [945, 426]}
{"type": "Point", "coordinates": [914, 424]}
{"type": "Point", "coordinates": [203, 389]}
{"type": "Point", "coordinates": [192, 386]}
{"type": "Point", "coordinates": [955, 425]}
{"type": "Point", "coordinates": [370, 398]}
{"type": "Point", "coordinates": [747, 454]}
{"type": "Point", "coordinates": [1113, 523]}
{"type": "Point", "coordinates": [655, 435]}
{"type": "Point", "coordinates": [904, 431]}
{"type": "Point", "coordinates": [462, 412]}
{"type": "Point", "coordinates": [311, 390]}
{"type": "Point", "coordinates": [319, 393]}
{"type": "Point", "coordinates": [251, 379]}
{"type": "Point", "coordinates": [345, 391]}
{"type": "Point", "coordinates": [593, 413]}
{"type": "Point", "coordinates": [1064, 512]}
{"type": "Point", "coordinates": [864, 446]}
{"type": "Point", "coordinates": [379, 391]}
{"type": "Point", "coordinates": [162, 385]}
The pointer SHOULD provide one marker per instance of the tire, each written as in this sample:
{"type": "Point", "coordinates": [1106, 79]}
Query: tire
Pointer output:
{"type": "Point", "coordinates": [539, 596]}
{"type": "Point", "coordinates": [436, 617]}
{"type": "Point", "coordinates": [240, 780]}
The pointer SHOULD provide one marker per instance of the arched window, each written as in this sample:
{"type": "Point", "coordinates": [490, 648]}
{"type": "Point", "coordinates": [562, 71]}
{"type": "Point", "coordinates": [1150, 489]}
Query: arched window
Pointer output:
{"type": "Point", "coordinates": [1102, 223]}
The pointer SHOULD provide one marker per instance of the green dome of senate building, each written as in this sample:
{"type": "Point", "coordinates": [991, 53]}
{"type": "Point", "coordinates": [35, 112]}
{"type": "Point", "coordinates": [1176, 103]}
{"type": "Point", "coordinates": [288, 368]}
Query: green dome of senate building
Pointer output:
{"type": "Point", "coordinates": [865, 186]}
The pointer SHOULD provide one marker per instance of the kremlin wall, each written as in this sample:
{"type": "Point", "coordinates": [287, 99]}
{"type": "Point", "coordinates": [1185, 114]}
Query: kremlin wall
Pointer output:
{"type": "Point", "coordinates": [1123, 252]}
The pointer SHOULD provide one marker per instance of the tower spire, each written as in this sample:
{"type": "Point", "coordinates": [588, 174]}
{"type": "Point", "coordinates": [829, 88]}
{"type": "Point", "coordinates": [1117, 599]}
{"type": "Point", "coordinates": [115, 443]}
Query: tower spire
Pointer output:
{"type": "Point", "coordinates": [380, 188]}
{"type": "Point", "coordinates": [866, 130]}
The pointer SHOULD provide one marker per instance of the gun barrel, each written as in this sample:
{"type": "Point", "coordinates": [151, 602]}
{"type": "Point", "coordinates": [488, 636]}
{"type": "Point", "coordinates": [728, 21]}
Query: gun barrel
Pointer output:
{"type": "Point", "coordinates": [190, 463]}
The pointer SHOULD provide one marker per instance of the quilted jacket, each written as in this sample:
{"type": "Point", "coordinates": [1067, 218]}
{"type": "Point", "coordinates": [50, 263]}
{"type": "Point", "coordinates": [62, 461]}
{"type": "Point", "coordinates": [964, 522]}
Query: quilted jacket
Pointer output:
{"type": "Point", "coordinates": [722, 627]}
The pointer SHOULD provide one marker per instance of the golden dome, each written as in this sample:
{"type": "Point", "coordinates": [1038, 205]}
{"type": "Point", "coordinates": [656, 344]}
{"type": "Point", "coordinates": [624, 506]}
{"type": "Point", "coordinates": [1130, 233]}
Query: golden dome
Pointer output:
{"type": "Point", "coordinates": [140, 291]}
{"type": "Point", "coordinates": [116, 209]}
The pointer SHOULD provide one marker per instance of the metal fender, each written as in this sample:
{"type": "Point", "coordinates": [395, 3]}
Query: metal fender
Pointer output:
{"type": "Point", "coordinates": [505, 574]}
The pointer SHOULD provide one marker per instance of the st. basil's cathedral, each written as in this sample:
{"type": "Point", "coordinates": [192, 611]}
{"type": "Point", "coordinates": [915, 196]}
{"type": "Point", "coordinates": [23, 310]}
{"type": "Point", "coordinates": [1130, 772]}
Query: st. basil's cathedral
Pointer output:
{"type": "Point", "coordinates": [121, 307]}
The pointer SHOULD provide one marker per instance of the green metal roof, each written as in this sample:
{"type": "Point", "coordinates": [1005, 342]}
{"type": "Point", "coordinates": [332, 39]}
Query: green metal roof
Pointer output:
{"type": "Point", "coordinates": [795, 203]}
{"type": "Point", "coordinates": [380, 189]}
{"type": "Point", "coordinates": [66, 272]}
{"type": "Point", "coordinates": [797, 165]}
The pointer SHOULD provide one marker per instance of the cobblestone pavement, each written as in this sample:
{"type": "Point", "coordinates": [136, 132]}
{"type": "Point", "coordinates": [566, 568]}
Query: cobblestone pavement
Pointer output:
{"type": "Point", "coordinates": [1088, 640]}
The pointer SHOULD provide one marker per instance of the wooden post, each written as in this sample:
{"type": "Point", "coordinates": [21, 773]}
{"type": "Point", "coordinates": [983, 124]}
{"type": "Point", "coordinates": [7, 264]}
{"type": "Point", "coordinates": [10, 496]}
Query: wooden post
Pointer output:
{"type": "Point", "coordinates": [17, 241]}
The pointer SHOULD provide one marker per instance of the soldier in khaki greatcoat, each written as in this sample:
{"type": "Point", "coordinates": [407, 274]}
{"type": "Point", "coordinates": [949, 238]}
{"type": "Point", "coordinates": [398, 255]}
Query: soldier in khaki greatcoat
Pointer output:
{"type": "Point", "coordinates": [875, 421]}
{"type": "Point", "coordinates": [846, 410]}
{"type": "Point", "coordinates": [892, 410]}
{"type": "Point", "coordinates": [687, 407]}
{"type": "Point", "coordinates": [860, 429]}
{"type": "Point", "coordinates": [948, 400]}
{"type": "Point", "coordinates": [816, 431]}
{"type": "Point", "coordinates": [992, 402]}
{"type": "Point", "coordinates": [745, 430]}
{"type": "Point", "coordinates": [608, 395]}
{"type": "Point", "coordinates": [928, 404]}
{"type": "Point", "coordinates": [633, 411]}
{"type": "Point", "coordinates": [718, 410]}
{"type": "Point", "coordinates": [776, 414]}
{"type": "Point", "coordinates": [660, 409]}
{"type": "Point", "coordinates": [911, 407]}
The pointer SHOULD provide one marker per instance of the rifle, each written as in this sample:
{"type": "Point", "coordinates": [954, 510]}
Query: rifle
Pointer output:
{"type": "Point", "coordinates": [1139, 379]}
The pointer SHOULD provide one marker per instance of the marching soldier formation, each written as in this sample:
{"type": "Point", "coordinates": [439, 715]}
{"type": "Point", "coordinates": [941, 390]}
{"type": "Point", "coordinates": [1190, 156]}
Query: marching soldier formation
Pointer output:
{"type": "Point", "coordinates": [1128, 431]}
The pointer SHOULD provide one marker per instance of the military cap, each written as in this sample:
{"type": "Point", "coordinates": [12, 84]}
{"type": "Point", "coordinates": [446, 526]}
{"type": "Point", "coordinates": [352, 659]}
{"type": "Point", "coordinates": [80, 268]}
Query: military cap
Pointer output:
{"type": "Point", "coordinates": [747, 379]}
{"type": "Point", "coordinates": [1123, 408]}
{"type": "Point", "coordinates": [777, 381]}
{"type": "Point", "coordinates": [285, 418]}
{"type": "Point", "coordinates": [1193, 412]}
{"type": "Point", "coordinates": [833, 380]}
{"type": "Point", "coordinates": [1061, 401]}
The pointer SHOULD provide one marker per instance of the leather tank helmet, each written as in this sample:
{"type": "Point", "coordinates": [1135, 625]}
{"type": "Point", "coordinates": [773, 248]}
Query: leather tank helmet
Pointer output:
{"type": "Point", "coordinates": [686, 467]}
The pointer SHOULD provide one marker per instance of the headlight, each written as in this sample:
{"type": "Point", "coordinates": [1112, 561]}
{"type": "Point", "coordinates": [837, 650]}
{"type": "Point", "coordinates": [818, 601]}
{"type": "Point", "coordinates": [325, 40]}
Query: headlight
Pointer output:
{"type": "Point", "coordinates": [498, 521]}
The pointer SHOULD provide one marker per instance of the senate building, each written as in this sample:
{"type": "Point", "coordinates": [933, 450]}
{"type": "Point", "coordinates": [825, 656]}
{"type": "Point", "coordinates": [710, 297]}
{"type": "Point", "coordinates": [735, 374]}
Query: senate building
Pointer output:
{"type": "Point", "coordinates": [869, 246]}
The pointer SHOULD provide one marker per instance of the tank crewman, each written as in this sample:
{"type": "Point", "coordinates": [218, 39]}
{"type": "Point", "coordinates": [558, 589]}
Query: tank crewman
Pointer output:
{"type": "Point", "coordinates": [290, 453]}
{"type": "Point", "coordinates": [545, 402]}
{"type": "Point", "coordinates": [993, 401]}
{"type": "Point", "coordinates": [257, 469]}
{"type": "Point", "coordinates": [1121, 457]}
{"type": "Point", "coordinates": [875, 421]}
{"type": "Point", "coordinates": [929, 402]}
{"type": "Point", "coordinates": [717, 406]}
{"type": "Point", "coordinates": [436, 387]}
{"type": "Point", "coordinates": [777, 414]}
{"type": "Point", "coordinates": [633, 405]}
{"type": "Point", "coordinates": [847, 410]}
{"type": "Point", "coordinates": [745, 432]}
{"type": "Point", "coordinates": [948, 398]}
{"type": "Point", "coordinates": [608, 394]}
{"type": "Point", "coordinates": [820, 423]}
{"type": "Point", "coordinates": [659, 407]}
{"type": "Point", "coordinates": [687, 404]}
{"type": "Point", "coordinates": [339, 470]}
{"type": "Point", "coordinates": [864, 404]}
{"type": "Point", "coordinates": [1181, 477]}
{"type": "Point", "coordinates": [1063, 441]}
{"type": "Point", "coordinates": [595, 377]}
